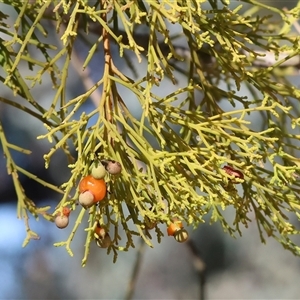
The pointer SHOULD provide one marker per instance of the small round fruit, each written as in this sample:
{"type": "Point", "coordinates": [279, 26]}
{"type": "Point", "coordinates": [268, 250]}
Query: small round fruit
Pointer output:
{"type": "Point", "coordinates": [99, 232]}
{"type": "Point", "coordinates": [86, 199]}
{"type": "Point", "coordinates": [102, 238]}
{"type": "Point", "coordinates": [181, 235]}
{"type": "Point", "coordinates": [96, 186]}
{"type": "Point", "coordinates": [61, 221]}
{"type": "Point", "coordinates": [105, 242]}
{"type": "Point", "coordinates": [173, 227]}
{"type": "Point", "coordinates": [149, 224]}
{"type": "Point", "coordinates": [112, 167]}
{"type": "Point", "coordinates": [98, 172]}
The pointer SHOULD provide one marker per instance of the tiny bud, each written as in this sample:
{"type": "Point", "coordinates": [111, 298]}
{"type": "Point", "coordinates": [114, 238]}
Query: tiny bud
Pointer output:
{"type": "Point", "coordinates": [86, 199]}
{"type": "Point", "coordinates": [112, 167]}
{"type": "Point", "coordinates": [66, 211]}
{"type": "Point", "coordinates": [61, 221]}
{"type": "Point", "coordinates": [98, 172]}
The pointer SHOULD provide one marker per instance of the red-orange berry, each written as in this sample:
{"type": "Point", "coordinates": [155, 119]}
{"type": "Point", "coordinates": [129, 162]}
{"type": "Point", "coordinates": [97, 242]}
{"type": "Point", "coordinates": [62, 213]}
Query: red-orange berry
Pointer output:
{"type": "Point", "coordinates": [233, 172]}
{"type": "Point", "coordinates": [66, 211]}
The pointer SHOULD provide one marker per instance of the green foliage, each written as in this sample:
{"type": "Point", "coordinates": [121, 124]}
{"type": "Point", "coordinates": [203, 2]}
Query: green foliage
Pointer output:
{"type": "Point", "coordinates": [194, 136]}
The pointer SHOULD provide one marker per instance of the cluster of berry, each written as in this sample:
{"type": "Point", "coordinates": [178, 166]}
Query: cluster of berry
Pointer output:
{"type": "Point", "coordinates": [92, 190]}
{"type": "Point", "coordinates": [175, 229]}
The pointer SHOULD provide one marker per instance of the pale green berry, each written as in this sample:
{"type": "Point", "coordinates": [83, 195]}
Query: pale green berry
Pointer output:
{"type": "Point", "coordinates": [181, 235]}
{"type": "Point", "coordinates": [61, 221]}
{"type": "Point", "coordinates": [86, 199]}
{"type": "Point", "coordinates": [99, 172]}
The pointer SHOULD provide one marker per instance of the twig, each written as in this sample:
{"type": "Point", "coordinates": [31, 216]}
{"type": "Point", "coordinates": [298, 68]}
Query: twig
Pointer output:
{"type": "Point", "coordinates": [135, 271]}
{"type": "Point", "coordinates": [199, 266]}
{"type": "Point", "coordinates": [85, 78]}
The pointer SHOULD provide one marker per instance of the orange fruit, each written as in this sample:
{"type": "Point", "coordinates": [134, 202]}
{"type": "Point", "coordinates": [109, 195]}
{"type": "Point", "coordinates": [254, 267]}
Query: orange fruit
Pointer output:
{"type": "Point", "coordinates": [96, 186]}
{"type": "Point", "coordinates": [174, 227]}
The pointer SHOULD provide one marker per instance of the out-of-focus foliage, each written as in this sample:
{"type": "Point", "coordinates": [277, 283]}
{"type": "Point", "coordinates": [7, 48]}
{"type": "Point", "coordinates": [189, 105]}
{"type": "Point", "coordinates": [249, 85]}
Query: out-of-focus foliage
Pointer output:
{"type": "Point", "coordinates": [182, 176]}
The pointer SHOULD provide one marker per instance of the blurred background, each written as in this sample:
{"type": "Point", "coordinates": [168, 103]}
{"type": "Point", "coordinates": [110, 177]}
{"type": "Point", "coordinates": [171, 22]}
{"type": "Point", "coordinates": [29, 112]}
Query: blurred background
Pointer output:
{"type": "Point", "coordinates": [241, 268]}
